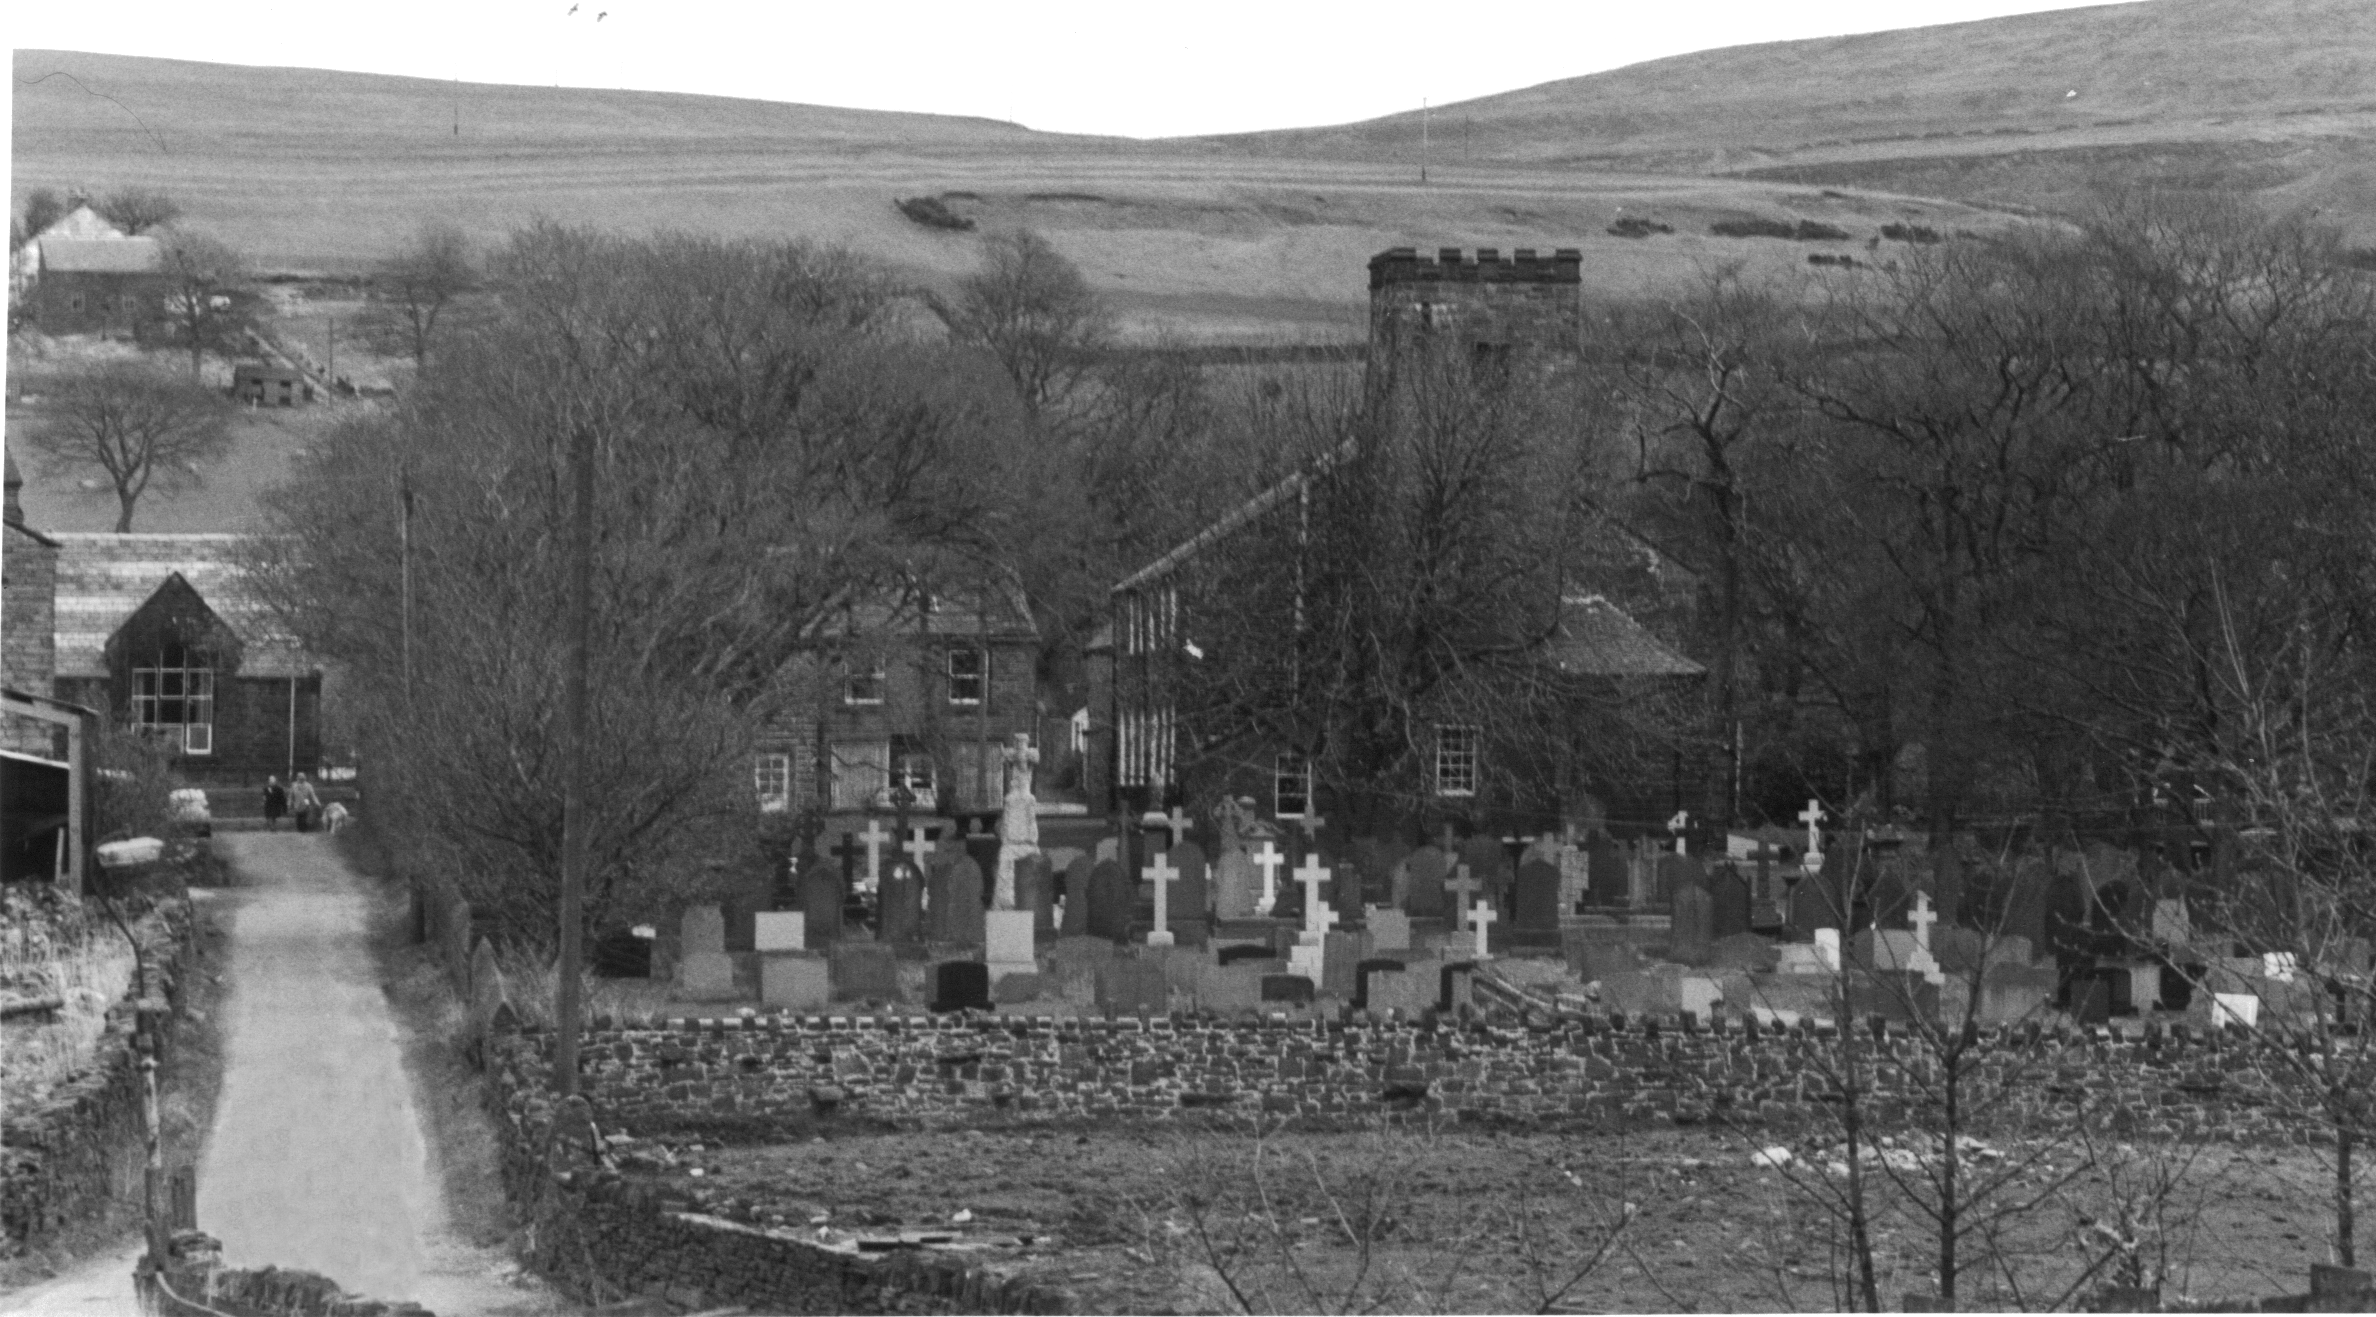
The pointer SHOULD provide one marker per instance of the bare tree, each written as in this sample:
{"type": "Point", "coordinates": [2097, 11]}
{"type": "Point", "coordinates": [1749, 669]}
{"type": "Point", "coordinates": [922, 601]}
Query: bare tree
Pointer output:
{"type": "Point", "coordinates": [202, 292]}
{"type": "Point", "coordinates": [42, 209]}
{"type": "Point", "coordinates": [1030, 308]}
{"type": "Point", "coordinates": [143, 427]}
{"type": "Point", "coordinates": [136, 210]}
{"type": "Point", "coordinates": [415, 285]}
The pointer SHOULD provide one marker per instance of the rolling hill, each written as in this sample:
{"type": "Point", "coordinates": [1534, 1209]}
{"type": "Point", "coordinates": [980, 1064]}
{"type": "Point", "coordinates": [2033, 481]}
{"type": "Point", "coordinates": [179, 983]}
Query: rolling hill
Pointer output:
{"type": "Point", "coordinates": [2274, 98]}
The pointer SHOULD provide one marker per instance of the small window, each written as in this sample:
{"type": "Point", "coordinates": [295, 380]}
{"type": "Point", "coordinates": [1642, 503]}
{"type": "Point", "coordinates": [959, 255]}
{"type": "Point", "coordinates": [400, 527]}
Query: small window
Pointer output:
{"type": "Point", "coordinates": [771, 775]}
{"type": "Point", "coordinates": [866, 682]}
{"type": "Point", "coordinates": [912, 770]}
{"type": "Point", "coordinates": [1292, 786]}
{"type": "Point", "coordinates": [968, 673]}
{"type": "Point", "coordinates": [1456, 759]}
{"type": "Point", "coordinates": [173, 699]}
{"type": "Point", "coordinates": [74, 302]}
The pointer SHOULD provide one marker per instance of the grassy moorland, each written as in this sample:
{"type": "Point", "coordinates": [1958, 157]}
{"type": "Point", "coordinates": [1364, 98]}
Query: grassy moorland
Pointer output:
{"type": "Point", "coordinates": [2274, 98]}
{"type": "Point", "coordinates": [320, 171]}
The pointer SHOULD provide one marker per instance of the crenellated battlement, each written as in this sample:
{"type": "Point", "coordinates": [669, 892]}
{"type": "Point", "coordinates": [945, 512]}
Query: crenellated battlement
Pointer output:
{"type": "Point", "coordinates": [1405, 265]}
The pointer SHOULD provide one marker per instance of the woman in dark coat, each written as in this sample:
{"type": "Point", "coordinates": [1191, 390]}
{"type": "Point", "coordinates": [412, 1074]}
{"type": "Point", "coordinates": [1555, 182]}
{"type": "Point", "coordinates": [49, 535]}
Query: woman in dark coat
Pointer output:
{"type": "Point", "coordinates": [276, 803]}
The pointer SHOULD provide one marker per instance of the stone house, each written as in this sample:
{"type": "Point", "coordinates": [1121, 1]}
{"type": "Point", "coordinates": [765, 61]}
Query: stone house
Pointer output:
{"type": "Point", "coordinates": [912, 688]}
{"type": "Point", "coordinates": [28, 636]}
{"type": "Point", "coordinates": [162, 635]}
{"type": "Point", "coordinates": [1517, 319]}
{"type": "Point", "coordinates": [82, 275]}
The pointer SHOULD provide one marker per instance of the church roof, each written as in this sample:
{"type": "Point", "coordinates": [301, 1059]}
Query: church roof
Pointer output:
{"type": "Point", "coordinates": [104, 579]}
{"type": "Point", "coordinates": [1596, 638]}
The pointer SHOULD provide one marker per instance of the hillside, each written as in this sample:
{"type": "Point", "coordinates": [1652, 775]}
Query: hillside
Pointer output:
{"type": "Point", "coordinates": [2271, 97]}
{"type": "Point", "coordinates": [315, 171]}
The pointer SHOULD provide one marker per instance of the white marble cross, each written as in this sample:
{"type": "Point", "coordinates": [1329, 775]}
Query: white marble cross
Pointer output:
{"type": "Point", "coordinates": [918, 845]}
{"type": "Point", "coordinates": [1481, 919]}
{"type": "Point", "coordinates": [1177, 821]}
{"type": "Point", "coordinates": [1162, 871]}
{"type": "Point", "coordinates": [1269, 859]}
{"type": "Point", "coordinates": [874, 837]}
{"type": "Point", "coordinates": [1811, 816]}
{"type": "Point", "coordinates": [1676, 825]}
{"type": "Point", "coordinates": [1462, 887]}
{"type": "Point", "coordinates": [1922, 917]}
{"type": "Point", "coordinates": [1317, 916]}
{"type": "Point", "coordinates": [1311, 822]}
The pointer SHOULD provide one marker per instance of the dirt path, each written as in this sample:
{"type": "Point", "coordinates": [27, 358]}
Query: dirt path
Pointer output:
{"type": "Point", "coordinates": [317, 1161]}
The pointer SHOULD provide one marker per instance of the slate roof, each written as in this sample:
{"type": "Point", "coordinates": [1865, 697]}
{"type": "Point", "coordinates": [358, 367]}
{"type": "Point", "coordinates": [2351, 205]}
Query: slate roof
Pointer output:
{"type": "Point", "coordinates": [104, 579]}
{"type": "Point", "coordinates": [1001, 613]}
{"type": "Point", "coordinates": [1596, 638]}
{"type": "Point", "coordinates": [100, 255]}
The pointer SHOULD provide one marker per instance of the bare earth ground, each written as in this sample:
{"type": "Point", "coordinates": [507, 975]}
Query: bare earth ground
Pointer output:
{"type": "Point", "coordinates": [1465, 1220]}
{"type": "Point", "coordinates": [317, 1160]}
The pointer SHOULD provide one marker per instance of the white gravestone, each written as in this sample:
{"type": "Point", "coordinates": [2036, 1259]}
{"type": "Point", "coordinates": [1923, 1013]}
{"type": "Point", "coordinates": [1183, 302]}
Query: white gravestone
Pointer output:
{"type": "Point", "coordinates": [1390, 929]}
{"type": "Point", "coordinates": [1007, 943]}
{"type": "Point", "coordinates": [1481, 919]}
{"type": "Point", "coordinates": [1268, 859]}
{"type": "Point", "coordinates": [1308, 956]}
{"type": "Point", "coordinates": [1813, 816]}
{"type": "Point", "coordinates": [779, 930]}
{"type": "Point", "coordinates": [1162, 872]}
{"type": "Point", "coordinates": [1922, 961]}
{"type": "Point", "coordinates": [1827, 949]}
{"type": "Point", "coordinates": [873, 838]}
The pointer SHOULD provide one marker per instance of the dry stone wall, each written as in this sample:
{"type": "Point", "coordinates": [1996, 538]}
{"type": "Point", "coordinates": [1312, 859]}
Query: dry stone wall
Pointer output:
{"type": "Point", "coordinates": [1608, 1073]}
{"type": "Point", "coordinates": [78, 1157]}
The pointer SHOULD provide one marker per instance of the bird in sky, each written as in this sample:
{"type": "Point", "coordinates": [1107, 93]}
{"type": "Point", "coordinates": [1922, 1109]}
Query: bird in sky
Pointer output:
{"type": "Point", "coordinates": [601, 16]}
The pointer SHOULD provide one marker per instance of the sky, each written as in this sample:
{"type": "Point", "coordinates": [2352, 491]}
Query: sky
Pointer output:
{"type": "Point", "coordinates": [1084, 66]}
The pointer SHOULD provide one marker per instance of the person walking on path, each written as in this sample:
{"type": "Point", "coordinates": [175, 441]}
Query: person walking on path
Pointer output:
{"type": "Point", "coordinates": [276, 803]}
{"type": "Point", "coordinates": [304, 805]}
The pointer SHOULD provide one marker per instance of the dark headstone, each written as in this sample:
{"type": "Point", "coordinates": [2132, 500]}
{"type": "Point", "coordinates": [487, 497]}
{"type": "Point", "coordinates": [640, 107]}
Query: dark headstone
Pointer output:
{"type": "Point", "coordinates": [1076, 896]}
{"type": "Point", "coordinates": [1454, 984]}
{"type": "Point", "coordinates": [821, 898]}
{"type": "Point", "coordinates": [1605, 862]}
{"type": "Point", "coordinates": [863, 971]}
{"type": "Point", "coordinates": [1489, 863]}
{"type": "Point", "coordinates": [1689, 941]}
{"type": "Point", "coordinates": [961, 985]}
{"type": "Point", "coordinates": [981, 846]}
{"type": "Point", "coordinates": [1191, 899]}
{"type": "Point", "coordinates": [1111, 896]}
{"type": "Point", "coordinates": [1728, 903]}
{"type": "Point", "coordinates": [1245, 951]}
{"type": "Point", "coordinates": [1429, 868]}
{"type": "Point", "coordinates": [1287, 988]}
{"type": "Point", "coordinates": [902, 913]}
{"type": "Point", "coordinates": [958, 919]}
{"type": "Point", "coordinates": [620, 954]}
{"type": "Point", "coordinates": [1035, 890]}
{"type": "Point", "coordinates": [2091, 1000]}
{"type": "Point", "coordinates": [1811, 908]}
{"type": "Point", "coordinates": [1538, 897]}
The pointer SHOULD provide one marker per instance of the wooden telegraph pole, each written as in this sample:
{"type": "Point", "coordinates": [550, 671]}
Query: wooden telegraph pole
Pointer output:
{"type": "Point", "coordinates": [567, 1005]}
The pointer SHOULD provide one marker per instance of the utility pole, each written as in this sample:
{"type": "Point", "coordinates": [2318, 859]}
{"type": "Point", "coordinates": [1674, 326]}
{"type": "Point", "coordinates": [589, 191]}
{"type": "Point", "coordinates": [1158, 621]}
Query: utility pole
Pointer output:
{"type": "Point", "coordinates": [573, 795]}
{"type": "Point", "coordinates": [1423, 111]}
{"type": "Point", "coordinates": [404, 496]}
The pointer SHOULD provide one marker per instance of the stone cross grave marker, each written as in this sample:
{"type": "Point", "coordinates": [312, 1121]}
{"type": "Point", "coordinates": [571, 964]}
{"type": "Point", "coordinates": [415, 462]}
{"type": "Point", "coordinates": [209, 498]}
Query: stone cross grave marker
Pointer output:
{"type": "Point", "coordinates": [1268, 859]}
{"type": "Point", "coordinates": [1318, 916]}
{"type": "Point", "coordinates": [1677, 825]}
{"type": "Point", "coordinates": [1462, 887]}
{"type": "Point", "coordinates": [919, 844]}
{"type": "Point", "coordinates": [1480, 919]}
{"type": "Point", "coordinates": [1922, 961]}
{"type": "Point", "coordinates": [1161, 871]}
{"type": "Point", "coordinates": [1176, 823]}
{"type": "Point", "coordinates": [873, 839]}
{"type": "Point", "coordinates": [848, 851]}
{"type": "Point", "coordinates": [1812, 816]}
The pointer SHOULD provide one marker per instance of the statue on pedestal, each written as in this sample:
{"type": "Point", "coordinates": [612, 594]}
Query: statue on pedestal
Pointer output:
{"type": "Point", "coordinates": [1018, 824]}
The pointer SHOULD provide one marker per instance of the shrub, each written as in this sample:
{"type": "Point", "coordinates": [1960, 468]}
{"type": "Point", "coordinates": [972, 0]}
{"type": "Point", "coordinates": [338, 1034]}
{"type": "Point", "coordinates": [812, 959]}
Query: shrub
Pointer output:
{"type": "Point", "coordinates": [1632, 227]}
{"type": "Point", "coordinates": [933, 213]}
{"type": "Point", "coordinates": [1843, 260]}
{"type": "Point", "coordinates": [1910, 233]}
{"type": "Point", "coordinates": [1810, 231]}
{"type": "Point", "coordinates": [1803, 231]}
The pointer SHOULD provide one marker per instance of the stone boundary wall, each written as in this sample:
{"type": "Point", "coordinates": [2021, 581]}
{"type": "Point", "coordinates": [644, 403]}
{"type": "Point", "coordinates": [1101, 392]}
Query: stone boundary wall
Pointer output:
{"type": "Point", "coordinates": [601, 1236]}
{"type": "Point", "coordinates": [1610, 1073]}
{"type": "Point", "coordinates": [81, 1156]}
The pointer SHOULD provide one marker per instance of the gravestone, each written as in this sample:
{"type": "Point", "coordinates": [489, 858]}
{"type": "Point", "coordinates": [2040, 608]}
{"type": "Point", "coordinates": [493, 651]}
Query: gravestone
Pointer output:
{"type": "Point", "coordinates": [1289, 989]}
{"type": "Point", "coordinates": [1885, 950]}
{"type": "Point", "coordinates": [1111, 897]}
{"type": "Point", "coordinates": [1604, 860]}
{"type": "Point", "coordinates": [2090, 1000]}
{"type": "Point", "coordinates": [1235, 885]}
{"type": "Point", "coordinates": [864, 971]}
{"type": "Point", "coordinates": [1728, 902]}
{"type": "Point", "coordinates": [956, 903]}
{"type": "Point", "coordinates": [620, 954]}
{"type": "Point", "coordinates": [1958, 950]}
{"type": "Point", "coordinates": [1342, 953]}
{"type": "Point", "coordinates": [704, 971]}
{"type": "Point", "coordinates": [1489, 863]}
{"type": "Point", "coordinates": [1130, 987]}
{"type": "Point", "coordinates": [1375, 860]}
{"type": "Point", "coordinates": [1365, 972]}
{"type": "Point", "coordinates": [1429, 868]}
{"type": "Point", "coordinates": [1007, 943]}
{"type": "Point", "coordinates": [1679, 872]}
{"type": "Point", "coordinates": [1690, 937]}
{"type": "Point", "coordinates": [1076, 896]}
{"type": "Point", "coordinates": [1389, 929]}
{"type": "Point", "coordinates": [1191, 900]}
{"type": "Point", "coordinates": [1412, 992]}
{"type": "Point", "coordinates": [1811, 908]}
{"type": "Point", "coordinates": [821, 895]}
{"type": "Point", "coordinates": [901, 919]}
{"type": "Point", "coordinates": [961, 985]}
{"type": "Point", "coordinates": [1035, 891]}
{"type": "Point", "coordinates": [981, 847]}
{"type": "Point", "coordinates": [779, 930]}
{"type": "Point", "coordinates": [2011, 993]}
{"type": "Point", "coordinates": [1537, 906]}
{"type": "Point", "coordinates": [795, 981]}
